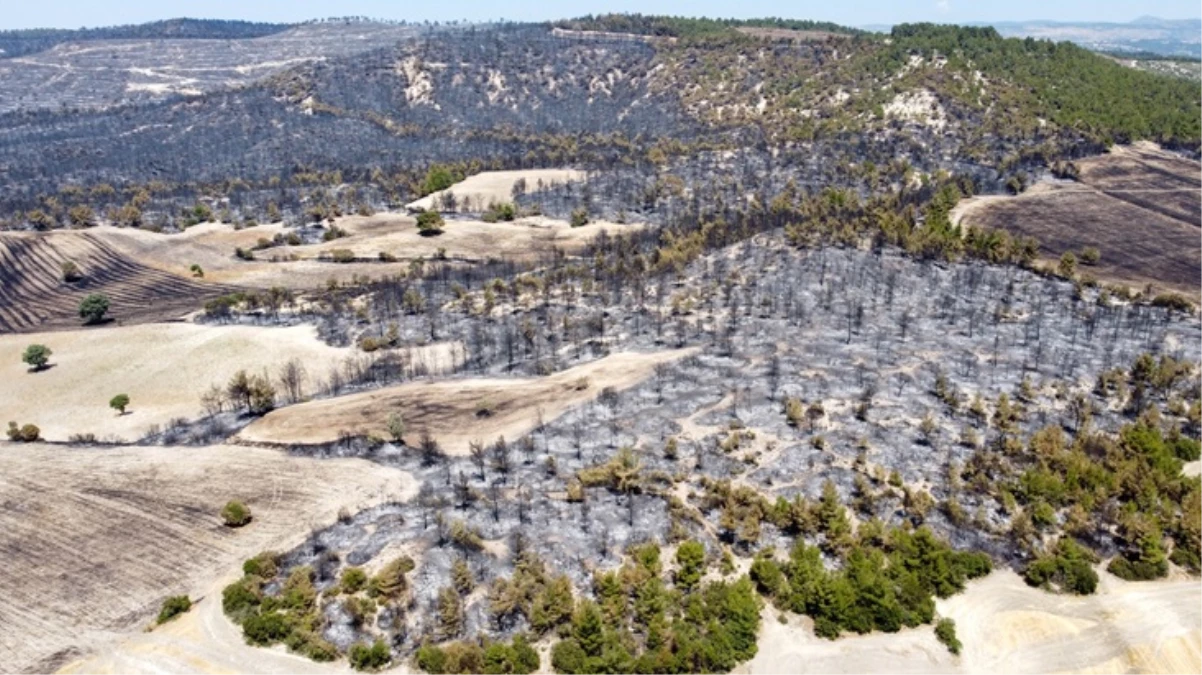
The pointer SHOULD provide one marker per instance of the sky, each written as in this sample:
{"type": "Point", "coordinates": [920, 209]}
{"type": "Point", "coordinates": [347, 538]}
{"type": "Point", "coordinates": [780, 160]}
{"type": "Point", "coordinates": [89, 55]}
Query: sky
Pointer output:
{"type": "Point", "coordinates": [79, 13]}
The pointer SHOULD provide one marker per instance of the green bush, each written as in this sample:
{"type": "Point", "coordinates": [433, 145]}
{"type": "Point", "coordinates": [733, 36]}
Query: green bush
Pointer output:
{"type": "Point", "coordinates": [241, 599]}
{"type": "Point", "coordinates": [173, 607]}
{"type": "Point", "coordinates": [691, 558]}
{"type": "Point", "coordinates": [267, 628]}
{"type": "Point", "coordinates": [27, 433]}
{"type": "Point", "coordinates": [945, 630]}
{"type": "Point", "coordinates": [93, 308]}
{"type": "Point", "coordinates": [430, 222]}
{"type": "Point", "coordinates": [353, 580]}
{"type": "Point", "coordinates": [36, 356]}
{"type": "Point", "coordinates": [375, 657]}
{"type": "Point", "coordinates": [1068, 567]}
{"type": "Point", "coordinates": [431, 659]}
{"type": "Point", "coordinates": [235, 514]}
{"type": "Point", "coordinates": [119, 403]}
{"type": "Point", "coordinates": [265, 565]}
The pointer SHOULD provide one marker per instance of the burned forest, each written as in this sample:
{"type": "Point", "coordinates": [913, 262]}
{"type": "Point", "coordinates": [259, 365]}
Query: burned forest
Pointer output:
{"type": "Point", "coordinates": [621, 344]}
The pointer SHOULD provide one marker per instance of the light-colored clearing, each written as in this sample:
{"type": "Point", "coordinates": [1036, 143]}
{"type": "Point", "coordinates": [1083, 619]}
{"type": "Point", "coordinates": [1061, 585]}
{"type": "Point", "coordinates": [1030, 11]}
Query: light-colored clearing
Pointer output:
{"type": "Point", "coordinates": [95, 539]}
{"type": "Point", "coordinates": [497, 186]}
{"type": "Point", "coordinates": [449, 409]}
{"type": "Point", "coordinates": [163, 368]}
{"type": "Point", "coordinates": [1009, 627]}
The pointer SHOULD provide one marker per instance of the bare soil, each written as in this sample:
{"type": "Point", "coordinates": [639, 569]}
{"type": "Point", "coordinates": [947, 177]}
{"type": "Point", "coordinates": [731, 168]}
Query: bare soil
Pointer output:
{"type": "Point", "coordinates": [451, 409]}
{"type": "Point", "coordinates": [95, 539]}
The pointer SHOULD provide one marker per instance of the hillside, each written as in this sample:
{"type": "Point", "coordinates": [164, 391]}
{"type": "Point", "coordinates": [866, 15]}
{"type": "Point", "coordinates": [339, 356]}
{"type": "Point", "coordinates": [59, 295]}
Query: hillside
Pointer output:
{"type": "Point", "coordinates": [14, 43]}
{"type": "Point", "coordinates": [522, 95]}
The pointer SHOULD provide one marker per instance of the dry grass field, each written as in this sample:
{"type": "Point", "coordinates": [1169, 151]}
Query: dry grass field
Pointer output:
{"type": "Point", "coordinates": [450, 409]}
{"type": "Point", "coordinates": [496, 186]}
{"type": "Point", "coordinates": [93, 540]}
{"type": "Point", "coordinates": [1138, 206]}
{"type": "Point", "coordinates": [33, 295]}
{"type": "Point", "coordinates": [164, 368]}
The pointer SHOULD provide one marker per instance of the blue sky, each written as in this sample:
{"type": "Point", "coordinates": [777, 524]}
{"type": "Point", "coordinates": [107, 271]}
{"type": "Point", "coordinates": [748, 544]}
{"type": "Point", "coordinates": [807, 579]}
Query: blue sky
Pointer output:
{"type": "Point", "coordinates": [77, 13]}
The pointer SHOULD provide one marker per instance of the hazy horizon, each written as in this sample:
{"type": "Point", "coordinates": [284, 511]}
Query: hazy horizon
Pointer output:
{"type": "Point", "coordinates": [76, 14]}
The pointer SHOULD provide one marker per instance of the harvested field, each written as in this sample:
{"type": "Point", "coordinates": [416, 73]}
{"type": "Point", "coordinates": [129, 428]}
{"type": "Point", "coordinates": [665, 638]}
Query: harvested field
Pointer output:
{"type": "Point", "coordinates": [496, 186]}
{"type": "Point", "coordinates": [450, 409]}
{"type": "Point", "coordinates": [211, 245]}
{"type": "Point", "coordinates": [33, 295]}
{"type": "Point", "coordinates": [1138, 206]}
{"type": "Point", "coordinates": [95, 539]}
{"type": "Point", "coordinates": [164, 368]}
{"type": "Point", "coordinates": [1009, 627]}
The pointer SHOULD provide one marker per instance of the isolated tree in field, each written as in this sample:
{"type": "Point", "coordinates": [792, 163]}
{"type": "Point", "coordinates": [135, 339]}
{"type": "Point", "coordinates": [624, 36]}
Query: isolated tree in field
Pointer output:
{"type": "Point", "coordinates": [1090, 256]}
{"type": "Point", "coordinates": [235, 514]}
{"type": "Point", "coordinates": [430, 223]}
{"type": "Point", "coordinates": [119, 403]}
{"type": "Point", "coordinates": [36, 356]}
{"type": "Point", "coordinates": [93, 308]}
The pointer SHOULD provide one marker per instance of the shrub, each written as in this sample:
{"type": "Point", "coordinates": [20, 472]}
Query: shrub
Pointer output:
{"type": "Point", "coordinates": [241, 598]}
{"type": "Point", "coordinates": [235, 514]}
{"type": "Point", "coordinates": [36, 356]}
{"type": "Point", "coordinates": [173, 607]}
{"type": "Point", "coordinates": [1090, 256]}
{"type": "Point", "coordinates": [119, 403]}
{"type": "Point", "coordinates": [374, 657]}
{"type": "Point", "coordinates": [266, 629]}
{"type": "Point", "coordinates": [945, 630]}
{"type": "Point", "coordinates": [266, 565]}
{"type": "Point", "coordinates": [431, 659]}
{"type": "Point", "coordinates": [1069, 567]}
{"type": "Point", "coordinates": [430, 223]}
{"type": "Point", "coordinates": [1174, 302]}
{"type": "Point", "coordinates": [24, 434]}
{"type": "Point", "coordinates": [579, 217]}
{"type": "Point", "coordinates": [342, 255]}
{"type": "Point", "coordinates": [353, 580]}
{"type": "Point", "coordinates": [197, 271]}
{"type": "Point", "coordinates": [93, 308]}
{"type": "Point", "coordinates": [70, 271]}
{"type": "Point", "coordinates": [691, 558]}
{"type": "Point", "coordinates": [244, 253]}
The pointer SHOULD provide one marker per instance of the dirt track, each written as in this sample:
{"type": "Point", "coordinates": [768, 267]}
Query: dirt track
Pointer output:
{"type": "Point", "coordinates": [448, 409]}
{"type": "Point", "coordinates": [94, 539]}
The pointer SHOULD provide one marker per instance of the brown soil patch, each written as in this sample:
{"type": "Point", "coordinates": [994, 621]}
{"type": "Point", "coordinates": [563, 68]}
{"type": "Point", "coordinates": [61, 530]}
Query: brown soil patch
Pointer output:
{"type": "Point", "coordinates": [164, 368]}
{"type": "Point", "coordinates": [449, 409]}
{"type": "Point", "coordinates": [1138, 206]}
{"type": "Point", "coordinates": [95, 539]}
{"type": "Point", "coordinates": [33, 295]}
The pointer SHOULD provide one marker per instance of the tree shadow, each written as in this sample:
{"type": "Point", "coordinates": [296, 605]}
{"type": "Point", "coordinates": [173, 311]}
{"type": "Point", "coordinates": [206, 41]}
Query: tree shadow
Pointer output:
{"type": "Point", "coordinates": [39, 369]}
